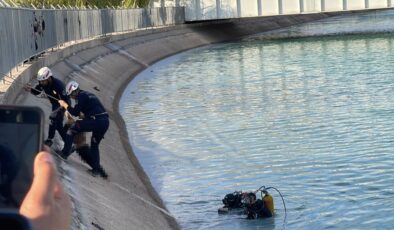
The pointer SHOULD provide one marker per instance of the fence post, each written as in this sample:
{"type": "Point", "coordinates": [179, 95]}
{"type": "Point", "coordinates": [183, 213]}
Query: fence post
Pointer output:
{"type": "Point", "coordinates": [260, 8]}
{"type": "Point", "coordinates": [323, 5]}
{"type": "Point", "coordinates": [366, 4]}
{"type": "Point", "coordinates": [302, 10]}
{"type": "Point", "coordinates": [239, 13]}
{"type": "Point", "coordinates": [344, 4]}
{"type": "Point", "coordinates": [218, 6]}
{"type": "Point", "coordinates": [198, 9]}
{"type": "Point", "coordinates": [280, 7]}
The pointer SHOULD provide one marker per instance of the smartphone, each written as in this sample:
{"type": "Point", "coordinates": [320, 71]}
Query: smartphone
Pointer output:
{"type": "Point", "coordinates": [11, 219]}
{"type": "Point", "coordinates": [21, 138]}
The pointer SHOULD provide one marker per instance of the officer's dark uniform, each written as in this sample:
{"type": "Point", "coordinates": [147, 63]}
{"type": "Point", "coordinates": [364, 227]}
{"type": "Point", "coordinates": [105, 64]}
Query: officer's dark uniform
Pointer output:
{"type": "Point", "coordinates": [95, 121]}
{"type": "Point", "coordinates": [54, 89]}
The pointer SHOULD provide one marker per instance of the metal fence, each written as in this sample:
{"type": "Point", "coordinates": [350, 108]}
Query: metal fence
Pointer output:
{"type": "Point", "coordinates": [26, 32]}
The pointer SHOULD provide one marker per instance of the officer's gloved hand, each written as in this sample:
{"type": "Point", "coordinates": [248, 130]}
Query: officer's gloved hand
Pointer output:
{"type": "Point", "coordinates": [27, 87]}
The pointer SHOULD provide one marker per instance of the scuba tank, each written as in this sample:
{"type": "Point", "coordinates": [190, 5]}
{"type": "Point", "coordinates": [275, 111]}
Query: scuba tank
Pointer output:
{"type": "Point", "coordinates": [269, 202]}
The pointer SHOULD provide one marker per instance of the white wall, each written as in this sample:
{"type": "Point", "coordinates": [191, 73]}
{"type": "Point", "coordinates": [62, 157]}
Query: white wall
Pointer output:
{"type": "Point", "coordinates": [378, 4]}
{"type": "Point", "coordinates": [311, 6]}
{"type": "Point", "coordinates": [270, 7]}
{"type": "Point", "coordinates": [355, 4]}
{"type": "Point", "coordinates": [249, 8]}
{"type": "Point", "coordinates": [333, 5]}
{"type": "Point", "coordinates": [290, 6]}
{"type": "Point", "coordinates": [207, 9]}
{"type": "Point", "coordinates": [228, 9]}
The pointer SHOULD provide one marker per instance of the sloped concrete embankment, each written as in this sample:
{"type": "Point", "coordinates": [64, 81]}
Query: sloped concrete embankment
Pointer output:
{"type": "Point", "coordinates": [105, 66]}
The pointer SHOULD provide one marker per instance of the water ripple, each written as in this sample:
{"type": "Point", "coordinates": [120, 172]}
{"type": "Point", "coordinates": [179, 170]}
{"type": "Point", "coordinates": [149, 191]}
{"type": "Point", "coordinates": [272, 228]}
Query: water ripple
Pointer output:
{"type": "Point", "coordinates": [312, 117]}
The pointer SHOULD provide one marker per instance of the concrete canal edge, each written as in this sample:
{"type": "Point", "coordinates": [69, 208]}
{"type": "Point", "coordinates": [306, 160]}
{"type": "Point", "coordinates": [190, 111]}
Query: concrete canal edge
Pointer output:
{"type": "Point", "coordinates": [105, 66]}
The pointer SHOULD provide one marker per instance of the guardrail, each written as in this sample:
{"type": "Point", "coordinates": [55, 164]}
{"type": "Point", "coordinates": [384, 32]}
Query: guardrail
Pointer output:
{"type": "Point", "coordinates": [26, 33]}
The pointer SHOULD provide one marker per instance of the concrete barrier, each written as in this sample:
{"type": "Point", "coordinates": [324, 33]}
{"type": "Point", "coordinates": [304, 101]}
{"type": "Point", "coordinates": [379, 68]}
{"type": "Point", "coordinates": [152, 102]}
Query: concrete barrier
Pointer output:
{"type": "Point", "coordinates": [105, 66]}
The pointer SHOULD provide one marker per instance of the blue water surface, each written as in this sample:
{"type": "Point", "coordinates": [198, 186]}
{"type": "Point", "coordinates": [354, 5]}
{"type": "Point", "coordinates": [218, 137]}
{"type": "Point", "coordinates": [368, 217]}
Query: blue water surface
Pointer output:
{"type": "Point", "coordinates": [313, 117]}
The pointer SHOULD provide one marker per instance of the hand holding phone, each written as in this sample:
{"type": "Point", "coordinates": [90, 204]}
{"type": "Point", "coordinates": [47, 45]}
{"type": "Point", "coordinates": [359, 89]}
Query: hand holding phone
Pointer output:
{"type": "Point", "coordinates": [46, 204]}
{"type": "Point", "coordinates": [20, 140]}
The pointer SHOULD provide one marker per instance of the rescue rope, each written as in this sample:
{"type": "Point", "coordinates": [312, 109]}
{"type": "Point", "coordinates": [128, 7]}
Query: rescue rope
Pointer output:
{"type": "Point", "coordinates": [42, 91]}
{"type": "Point", "coordinates": [143, 199]}
{"type": "Point", "coordinates": [38, 91]}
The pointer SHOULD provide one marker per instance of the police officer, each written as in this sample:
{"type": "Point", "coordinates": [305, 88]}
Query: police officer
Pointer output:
{"type": "Point", "coordinates": [54, 89]}
{"type": "Point", "coordinates": [95, 120]}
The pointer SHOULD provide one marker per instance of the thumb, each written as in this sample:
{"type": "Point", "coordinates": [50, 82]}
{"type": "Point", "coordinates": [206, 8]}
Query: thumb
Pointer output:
{"type": "Point", "coordinates": [45, 178]}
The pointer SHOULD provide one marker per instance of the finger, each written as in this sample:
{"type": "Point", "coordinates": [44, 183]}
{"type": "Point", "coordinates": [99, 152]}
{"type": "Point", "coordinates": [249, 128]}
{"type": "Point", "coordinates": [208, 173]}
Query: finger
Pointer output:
{"type": "Point", "coordinates": [45, 178]}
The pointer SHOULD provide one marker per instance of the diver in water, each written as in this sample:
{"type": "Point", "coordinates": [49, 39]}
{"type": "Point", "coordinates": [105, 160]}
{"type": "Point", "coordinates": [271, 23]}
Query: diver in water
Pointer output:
{"type": "Point", "coordinates": [256, 208]}
{"type": "Point", "coordinates": [248, 204]}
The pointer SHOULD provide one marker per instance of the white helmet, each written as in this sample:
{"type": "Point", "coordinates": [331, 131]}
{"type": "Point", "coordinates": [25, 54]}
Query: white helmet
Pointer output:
{"type": "Point", "coordinates": [44, 73]}
{"type": "Point", "coordinates": [71, 86]}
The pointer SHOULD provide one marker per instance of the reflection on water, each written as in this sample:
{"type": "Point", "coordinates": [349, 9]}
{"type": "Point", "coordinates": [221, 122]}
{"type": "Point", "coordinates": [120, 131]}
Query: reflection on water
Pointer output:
{"type": "Point", "coordinates": [312, 117]}
{"type": "Point", "coordinates": [379, 21]}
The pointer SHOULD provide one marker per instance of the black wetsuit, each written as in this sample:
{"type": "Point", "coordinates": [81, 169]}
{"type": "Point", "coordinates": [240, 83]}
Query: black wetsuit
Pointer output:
{"type": "Point", "coordinates": [258, 210]}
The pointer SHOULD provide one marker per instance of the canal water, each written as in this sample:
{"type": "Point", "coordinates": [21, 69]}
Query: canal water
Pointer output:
{"type": "Point", "coordinates": [312, 117]}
